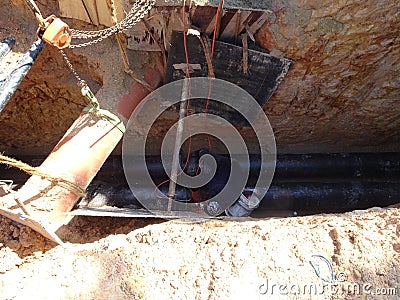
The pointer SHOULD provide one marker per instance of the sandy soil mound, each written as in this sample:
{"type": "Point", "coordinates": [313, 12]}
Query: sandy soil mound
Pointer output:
{"type": "Point", "coordinates": [109, 258]}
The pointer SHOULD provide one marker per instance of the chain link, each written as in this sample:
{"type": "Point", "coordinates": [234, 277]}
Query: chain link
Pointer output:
{"type": "Point", "coordinates": [70, 66]}
{"type": "Point", "coordinates": [139, 10]}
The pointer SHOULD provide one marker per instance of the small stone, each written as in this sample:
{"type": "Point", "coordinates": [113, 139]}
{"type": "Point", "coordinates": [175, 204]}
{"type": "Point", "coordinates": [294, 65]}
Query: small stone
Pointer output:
{"type": "Point", "coordinates": [14, 244]}
{"type": "Point", "coordinates": [356, 274]}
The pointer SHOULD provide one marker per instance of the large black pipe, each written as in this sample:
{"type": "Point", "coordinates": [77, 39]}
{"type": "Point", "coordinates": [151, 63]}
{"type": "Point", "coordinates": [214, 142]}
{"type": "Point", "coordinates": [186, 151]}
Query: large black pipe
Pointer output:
{"type": "Point", "coordinates": [289, 167]}
{"type": "Point", "coordinates": [11, 83]}
{"type": "Point", "coordinates": [287, 199]}
{"type": "Point", "coordinates": [293, 166]}
{"type": "Point", "coordinates": [337, 165]}
{"type": "Point", "coordinates": [311, 197]}
{"type": "Point", "coordinates": [303, 184]}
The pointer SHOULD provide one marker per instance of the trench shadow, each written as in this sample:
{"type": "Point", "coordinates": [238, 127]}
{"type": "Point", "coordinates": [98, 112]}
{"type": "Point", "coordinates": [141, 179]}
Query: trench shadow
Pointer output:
{"type": "Point", "coordinates": [88, 229]}
{"type": "Point", "coordinates": [24, 241]}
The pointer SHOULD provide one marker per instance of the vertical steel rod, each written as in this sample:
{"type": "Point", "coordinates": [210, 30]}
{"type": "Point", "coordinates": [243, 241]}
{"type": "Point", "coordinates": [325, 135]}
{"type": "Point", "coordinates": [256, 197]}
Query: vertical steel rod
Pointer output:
{"type": "Point", "coordinates": [178, 141]}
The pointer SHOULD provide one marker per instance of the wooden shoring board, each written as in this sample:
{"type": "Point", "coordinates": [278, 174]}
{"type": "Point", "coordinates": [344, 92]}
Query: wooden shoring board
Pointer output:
{"type": "Point", "coordinates": [164, 20]}
{"type": "Point", "coordinates": [92, 11]}
{"type": "Point", "coordinates": [265, 72]}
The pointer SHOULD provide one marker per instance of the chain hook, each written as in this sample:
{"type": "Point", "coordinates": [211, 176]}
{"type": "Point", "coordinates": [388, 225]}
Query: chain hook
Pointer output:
{"type": "Point", "coordinates": [95, 107]}
{"type": "Point", "coordinates": [88, 94]}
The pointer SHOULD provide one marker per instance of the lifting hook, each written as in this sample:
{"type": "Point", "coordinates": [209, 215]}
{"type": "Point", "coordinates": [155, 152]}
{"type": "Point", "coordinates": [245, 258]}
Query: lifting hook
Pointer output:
{"type": "Point", "coordinates": [55, 32]}
{"type": "Point", "coordinates": [52, 30]}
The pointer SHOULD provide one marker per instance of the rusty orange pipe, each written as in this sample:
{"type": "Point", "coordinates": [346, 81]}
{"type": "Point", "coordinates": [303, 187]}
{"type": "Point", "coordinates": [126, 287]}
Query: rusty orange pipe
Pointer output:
{"type": "Point", "coordinates": [77, 158]}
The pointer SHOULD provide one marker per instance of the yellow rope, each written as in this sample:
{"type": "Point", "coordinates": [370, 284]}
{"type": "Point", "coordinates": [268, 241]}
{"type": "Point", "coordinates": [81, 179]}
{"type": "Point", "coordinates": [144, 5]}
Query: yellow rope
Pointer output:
{"type": "Point", "coordinates": [68, 185]}
{"type": "Point", "coordinates": [113, 12]}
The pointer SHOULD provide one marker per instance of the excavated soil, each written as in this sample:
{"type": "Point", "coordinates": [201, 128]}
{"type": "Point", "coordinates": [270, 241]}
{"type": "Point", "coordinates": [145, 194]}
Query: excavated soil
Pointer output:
{"type": "Point", "coordinates": [112, 258]}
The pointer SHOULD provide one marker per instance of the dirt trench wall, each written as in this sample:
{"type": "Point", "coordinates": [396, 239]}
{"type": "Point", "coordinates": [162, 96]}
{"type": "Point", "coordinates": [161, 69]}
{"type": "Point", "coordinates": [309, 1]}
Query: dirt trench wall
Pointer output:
{"type": "Point", "coordinates": [48, 100]}
{"type": "Point", "coordinates": [42, 108]}
{"type": "Point", "coordinates": [343, 90]}
{"type": "Point", "coordinates": [341, 94]}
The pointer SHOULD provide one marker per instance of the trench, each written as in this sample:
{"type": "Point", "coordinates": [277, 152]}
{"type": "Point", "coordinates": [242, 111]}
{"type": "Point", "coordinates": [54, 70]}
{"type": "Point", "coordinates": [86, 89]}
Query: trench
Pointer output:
{"type": "Point", "coordinates": [312, 176]}
{"type": "Point", "coordinates": [336, 127]}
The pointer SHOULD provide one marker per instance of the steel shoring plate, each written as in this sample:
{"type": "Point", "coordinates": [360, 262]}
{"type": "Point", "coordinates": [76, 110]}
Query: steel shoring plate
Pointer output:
{"type": "Point", "coordinates": [109, 211]}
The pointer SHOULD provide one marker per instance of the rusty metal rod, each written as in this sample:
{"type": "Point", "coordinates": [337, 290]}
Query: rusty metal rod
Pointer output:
{"type": "Point", "coordinates": [178, 142]}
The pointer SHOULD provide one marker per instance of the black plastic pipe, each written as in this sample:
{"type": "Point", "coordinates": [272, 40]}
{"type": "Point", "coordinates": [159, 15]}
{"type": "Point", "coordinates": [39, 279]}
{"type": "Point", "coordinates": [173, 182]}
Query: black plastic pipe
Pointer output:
{"type": "Point", "coordinates": [10, 85]}
{"type": "Point", "coordinates": [284, 199]}
{"type": "Point", "coordinates": [303, 184]}
{"type": "Point", "coordinates": [313, 197]}
{"type": "Point", "coordinates": [289, 167]}
{"type": "Point", "coordinates": [337, 165]}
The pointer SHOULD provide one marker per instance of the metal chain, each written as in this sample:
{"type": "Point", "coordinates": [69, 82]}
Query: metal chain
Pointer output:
{"type": "Point", "coordinates": [83, 34]}
{"type": "Point", "coordinates": [94, 103]}
{"type": "Point", "coordinates": [139, 10]}
{"type": "Point", "coordinates": [71, 67]}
